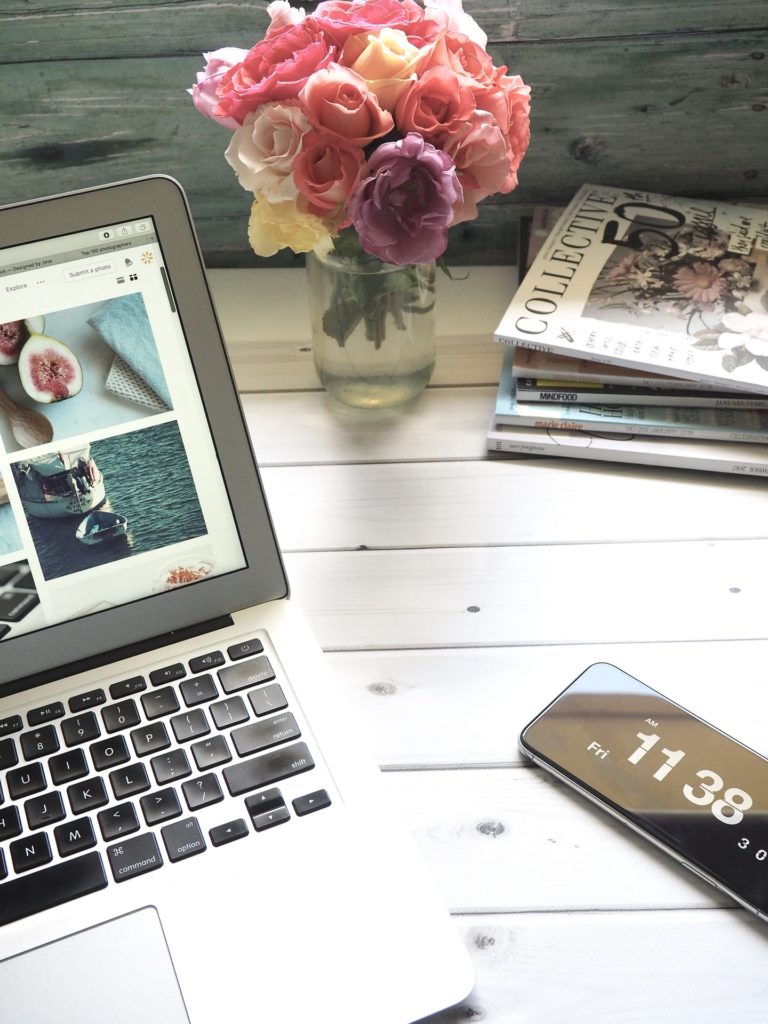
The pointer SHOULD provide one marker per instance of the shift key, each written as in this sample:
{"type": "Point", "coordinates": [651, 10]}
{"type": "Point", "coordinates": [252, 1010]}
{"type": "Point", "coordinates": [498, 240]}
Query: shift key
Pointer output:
{"type": "Point", "coordinates": [268, 768]}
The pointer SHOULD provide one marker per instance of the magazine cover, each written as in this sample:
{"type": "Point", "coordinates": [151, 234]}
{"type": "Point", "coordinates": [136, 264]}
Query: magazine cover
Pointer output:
{"type": "Point", "coordinates": [713, 456]}
{"type": "Point", "coordinates": [653, 282]}
{"type": "Point", "coordinates": [591, 392]}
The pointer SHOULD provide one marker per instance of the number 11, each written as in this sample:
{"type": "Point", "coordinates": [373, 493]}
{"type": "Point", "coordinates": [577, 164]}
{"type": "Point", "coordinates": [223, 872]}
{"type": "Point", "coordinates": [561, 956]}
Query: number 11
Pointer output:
{"type": "Point", "coordinates": [648, 742]}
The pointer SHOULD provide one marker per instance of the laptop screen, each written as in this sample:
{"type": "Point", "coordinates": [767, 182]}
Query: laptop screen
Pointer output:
{"type": "Point", "coordinates": [111, 489]}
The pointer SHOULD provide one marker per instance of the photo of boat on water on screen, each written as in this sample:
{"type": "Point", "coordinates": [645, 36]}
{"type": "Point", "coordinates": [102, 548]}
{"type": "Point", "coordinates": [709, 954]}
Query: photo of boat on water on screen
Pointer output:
{"type": "Point", "coordinates": [95, 503]}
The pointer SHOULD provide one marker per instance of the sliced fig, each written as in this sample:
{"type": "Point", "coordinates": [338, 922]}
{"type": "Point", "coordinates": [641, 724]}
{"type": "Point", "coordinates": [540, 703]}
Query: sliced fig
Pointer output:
{"type": "Point", "coordinates": [15, 334]}
{"type": "Point", "coordinates": [49, 370]}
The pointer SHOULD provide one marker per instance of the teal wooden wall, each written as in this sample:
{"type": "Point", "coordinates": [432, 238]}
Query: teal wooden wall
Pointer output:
{"type": "Point", "coordinates": [670, 95]}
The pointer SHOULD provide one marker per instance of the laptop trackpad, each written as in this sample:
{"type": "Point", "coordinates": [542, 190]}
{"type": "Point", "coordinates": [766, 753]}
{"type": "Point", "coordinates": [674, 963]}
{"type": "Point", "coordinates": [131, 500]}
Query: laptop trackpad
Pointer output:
{"type": "Point", "coordinates": [119, 972]}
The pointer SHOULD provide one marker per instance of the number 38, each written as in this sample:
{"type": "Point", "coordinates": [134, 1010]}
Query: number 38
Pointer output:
{"type": "Point", "coordinates": [729, 809]}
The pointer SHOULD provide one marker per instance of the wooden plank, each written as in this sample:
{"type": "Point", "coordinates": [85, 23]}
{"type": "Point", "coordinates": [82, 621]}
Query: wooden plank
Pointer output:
{"type": "Point", "coordinates": [466, 707]}
{"type": "Point", "coordinates": [619, 967]}
{"type": "Point", "coordinates": [503, 502]}
{"type": "Point", "coordinates": [515, 840]}
{"type": "Point", "coordinates": [82, 122]}
{"type": "Point", "coordinates": [588, 593]}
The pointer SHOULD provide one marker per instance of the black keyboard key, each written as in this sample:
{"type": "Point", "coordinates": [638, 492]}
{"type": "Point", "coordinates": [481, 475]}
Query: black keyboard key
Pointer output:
{"type": "Point", "coordinates": [30, 852]}
{"type": "Point", "coordinates": [169, 674]}
{"type": "Point", "coordinates": [148, 739]}
{"type": "Point", "coordinates": [119, 820]}
{"type": "Point", "coordinates": [211, 752]}
{"type": "Point", "coordinates": [68, 767]}
{"type": "Point", "coordinates": [161, 702]}
{"type": "Point", "coordinates": [26, 780]}
{"type": "Point", "coordinates": [202, 792]}
{"type": "Point", "coordinates": [171, 766]}
{"type": "Point", "coordinates": [206, 662]}
{"type": "Point", "coordinates": [311, 802]}
{"type": "Point", "coordinates": [39, 742]}
{"type": "Point", "coordinates": [190, 725]}
{"type": "Point", "coordinates": [133, 857]}
{"type": "Point", "coordinates": [66, 881]}
{"type": "Point", "coordinates": [267, 800]}
{"type": "Point", "coordinates": [247, 673]}
{"type": "Point", "coordinates": [126, 687]}
{"type": "Point", "coordinates": [9, 756]}
{"type": "Point", "coordinates": [47, 713]}
{"type": "Point", "coordinates": [261, 822]}
{"type": "Point", "coordinates": [14, 605]}
{"type": "Point", "coordinates": [268, 768]}
{"type": "Point", "coordinates": [87, 795]}
{"type": "Point", "coordinates": [44, 809]}
{"type": "Point", "coordinates": [161, 805]}
{"type": "Point", "coordinates": [129, 780]}
{"type": "Point", "coordinates": [12, 723]}
{"type": "Point", "coordinates": [120, 716]}
{"type": "Point", "coordinates": [267, 699]}
{"type": "Point", "coordinates": [228, 832]}
{"type": "Point", "coordinates": [74, 836]}
{"type": "Point", "coordinates": [249, 739]}
{"type": "Point", "coordinates": [10, 823]}
{"type": "Point", "coordinates": [85, 701]}
{"type": "Point", "coordinates": [81, 729]}
{"type": "Point", "coordinates": [109, 753]}
{"type": "Point", "coordinates": [245, 649]}
{"type": "Point", "coordinates": [199, 690]}
{"type": "Point", "coordinates": [183, 839]}
{"type": "Point", "coordinates": [3, 868]}
{"type": "Point", "coordinates": [226, 713]}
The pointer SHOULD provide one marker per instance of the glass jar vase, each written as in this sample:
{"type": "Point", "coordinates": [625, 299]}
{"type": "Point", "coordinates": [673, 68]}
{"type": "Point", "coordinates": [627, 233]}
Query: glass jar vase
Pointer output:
{"type": "Point", "coordinates": [373, 330]}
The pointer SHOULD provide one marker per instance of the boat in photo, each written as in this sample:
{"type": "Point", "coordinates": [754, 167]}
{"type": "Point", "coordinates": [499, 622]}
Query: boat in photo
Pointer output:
{"type": "Point", "coordinates": [100, 526]}
{"type": "Point", "coordinates": [60, 484]}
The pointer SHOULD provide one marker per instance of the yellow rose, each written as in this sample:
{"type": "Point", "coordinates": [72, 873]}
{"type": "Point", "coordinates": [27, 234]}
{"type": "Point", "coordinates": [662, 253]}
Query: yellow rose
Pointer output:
{"type": "Point", "coordinates": [274, 226]}
{"type": "Point", "coordinates": [386, 61]}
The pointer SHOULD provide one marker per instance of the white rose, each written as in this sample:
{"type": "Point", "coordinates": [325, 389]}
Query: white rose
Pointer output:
{"type": "Point", "coordinates": [262, 149]}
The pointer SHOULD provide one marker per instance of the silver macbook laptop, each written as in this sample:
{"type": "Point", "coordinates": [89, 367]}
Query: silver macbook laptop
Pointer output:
{"type": "Point", "coordinates": [187, 830]}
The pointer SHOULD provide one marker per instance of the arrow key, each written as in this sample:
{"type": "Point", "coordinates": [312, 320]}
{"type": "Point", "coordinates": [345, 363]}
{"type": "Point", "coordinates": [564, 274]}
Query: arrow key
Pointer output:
{"type": "Point", "coordinates": [311, 802]}
{"type": "Point", "coordinates": [228, 832]}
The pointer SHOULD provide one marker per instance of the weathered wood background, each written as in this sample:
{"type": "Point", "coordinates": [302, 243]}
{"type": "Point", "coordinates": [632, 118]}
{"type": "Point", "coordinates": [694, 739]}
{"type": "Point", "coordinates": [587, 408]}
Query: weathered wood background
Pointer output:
{"type": "Point", "coordinates": [665, 95]}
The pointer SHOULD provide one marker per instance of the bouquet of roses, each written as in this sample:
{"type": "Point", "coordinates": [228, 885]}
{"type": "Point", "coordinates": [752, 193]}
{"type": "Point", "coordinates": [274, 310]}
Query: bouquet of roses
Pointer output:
{"type": "Point", "coordinates": [373, 124]}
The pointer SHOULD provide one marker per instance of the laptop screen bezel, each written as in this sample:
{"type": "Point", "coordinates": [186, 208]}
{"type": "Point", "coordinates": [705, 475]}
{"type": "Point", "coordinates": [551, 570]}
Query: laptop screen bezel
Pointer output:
{"type": "Point", "coordinates": [32, 657]}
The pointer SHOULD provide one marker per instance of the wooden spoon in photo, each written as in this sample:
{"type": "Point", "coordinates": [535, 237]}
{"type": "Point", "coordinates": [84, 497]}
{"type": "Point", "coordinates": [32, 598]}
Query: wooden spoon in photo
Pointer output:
{"type": "Point", "coordinates": [28, 427]}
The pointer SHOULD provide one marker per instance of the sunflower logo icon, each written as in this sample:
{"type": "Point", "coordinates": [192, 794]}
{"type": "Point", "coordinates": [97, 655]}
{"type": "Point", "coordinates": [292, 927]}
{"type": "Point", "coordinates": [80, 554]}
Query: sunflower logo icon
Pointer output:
{"type": "Point", "coordinates": [147, 258]}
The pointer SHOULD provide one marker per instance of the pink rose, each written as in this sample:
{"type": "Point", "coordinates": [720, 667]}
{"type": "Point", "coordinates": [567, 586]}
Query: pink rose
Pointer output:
{"type": "Point", "coordinates": [435, 105]}
{"type": "Point", "coordinates": [450, 15]}
{"type": "Point", "coordinates": [204, 90]}
{"type": "Point", "coordinates": [340, 19]}
{"type": "Point", "coordinates": [479, 151]}
{"type": "Point", "coordinates": [274, 69]}
{"type": "Point", "coordinates": [263, 148]}
{"type": "Point", "coordinates": [337, 101]}
{"type": "Point", "coordinates": [461, 55]}
{"type": "Point", "coordinates": [518, 125]}
{"type": "Point", "coordinates": [282, 15]}
{"type": "Point", "coordinates": [326, 173]}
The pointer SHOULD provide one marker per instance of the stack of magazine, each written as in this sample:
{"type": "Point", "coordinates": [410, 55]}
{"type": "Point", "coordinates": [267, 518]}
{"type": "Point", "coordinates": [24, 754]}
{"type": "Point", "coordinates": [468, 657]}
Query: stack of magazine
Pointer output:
{"type": "Point", "coordinates": [640, 334]}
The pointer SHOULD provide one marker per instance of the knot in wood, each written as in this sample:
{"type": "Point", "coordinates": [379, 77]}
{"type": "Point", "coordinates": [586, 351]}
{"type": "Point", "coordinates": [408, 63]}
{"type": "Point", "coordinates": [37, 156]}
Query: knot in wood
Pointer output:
{"type": "Point", "coordinates": [494, 829]}
{"type": "Point", "coordinates": [586, 150]}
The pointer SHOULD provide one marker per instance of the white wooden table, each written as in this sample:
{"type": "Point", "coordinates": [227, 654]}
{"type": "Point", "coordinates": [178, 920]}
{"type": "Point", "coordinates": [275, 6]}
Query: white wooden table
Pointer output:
{"type": "Point", "coordinates": [456, 594]}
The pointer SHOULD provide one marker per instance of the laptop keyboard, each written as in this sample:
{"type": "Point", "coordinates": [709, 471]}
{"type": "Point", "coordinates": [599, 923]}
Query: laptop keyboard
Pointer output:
{"type": "Point", "coordinates": [18, 595]}
{"type": "Point", "coordinates": [126, 779]}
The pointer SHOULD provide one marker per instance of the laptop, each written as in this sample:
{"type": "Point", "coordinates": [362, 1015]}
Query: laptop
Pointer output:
{"type": "Point", "coordinates": [188, 831]}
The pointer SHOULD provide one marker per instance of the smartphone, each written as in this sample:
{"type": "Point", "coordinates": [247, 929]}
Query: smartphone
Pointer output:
{"type": "Point", "coordinates": [698, 794]}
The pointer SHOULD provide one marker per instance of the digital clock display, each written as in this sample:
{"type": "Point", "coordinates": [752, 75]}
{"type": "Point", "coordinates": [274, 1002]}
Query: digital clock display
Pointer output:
{"type": "Point", "coordinates": [693, 789]}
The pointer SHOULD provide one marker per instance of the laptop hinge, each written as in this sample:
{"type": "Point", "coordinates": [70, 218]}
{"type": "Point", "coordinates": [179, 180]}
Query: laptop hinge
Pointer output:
{"type": "Point", "coordinates": [118, 654]}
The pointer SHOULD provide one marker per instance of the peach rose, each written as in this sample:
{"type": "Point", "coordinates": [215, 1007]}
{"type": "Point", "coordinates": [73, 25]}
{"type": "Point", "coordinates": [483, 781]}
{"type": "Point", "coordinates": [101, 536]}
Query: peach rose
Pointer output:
{"type": "Point", "coordinates": [338, 102]}
{"type": "Point", "coordinates": [461, 55]}
{"type": "Point", "coordinates": [274, 226]}
{"type": "Point", "coordinates": [326, 173]}
{"type": "Point", "coordinates": [479, 151]}
{"type": "Point", "coordinates": [386, 61]}
{"type": "Point", "coordinates": [435, 106]}
{"type": "Point", "coordinates": [518, 125]}
{"type": "Point", "coordinates": [262, 149]}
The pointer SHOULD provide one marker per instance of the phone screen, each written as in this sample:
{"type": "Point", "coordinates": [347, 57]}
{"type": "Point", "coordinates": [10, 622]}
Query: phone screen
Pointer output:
{"type": "Point", "coordinates": [698, 792]}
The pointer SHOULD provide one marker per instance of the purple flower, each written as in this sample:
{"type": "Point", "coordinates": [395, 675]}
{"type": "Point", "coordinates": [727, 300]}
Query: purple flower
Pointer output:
{"type": "Point", "coordinates": [403, 209]}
